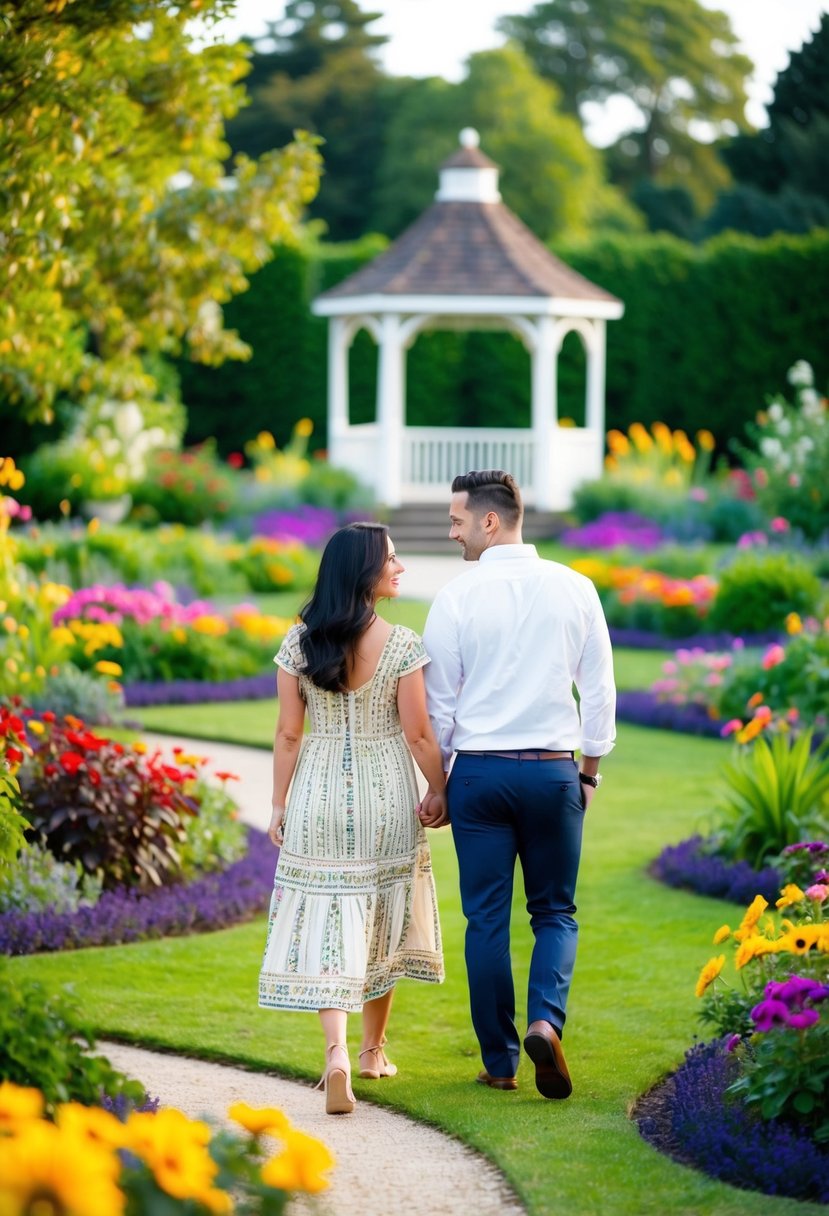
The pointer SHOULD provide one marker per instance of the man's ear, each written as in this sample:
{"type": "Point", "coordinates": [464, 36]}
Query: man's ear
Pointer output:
{"type": "Point", "coordinates": [491, 522]}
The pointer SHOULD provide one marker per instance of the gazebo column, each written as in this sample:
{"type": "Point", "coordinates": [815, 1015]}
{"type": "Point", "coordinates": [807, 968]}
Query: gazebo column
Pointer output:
{"type": "Point", "coordinates": [390, 411]}
{"type": "Point", "coordinates": [339, 339]}
{"type": "Point", "coordinates": [544, 410]}
{"type": "Point", "coordinates": [594, 404]}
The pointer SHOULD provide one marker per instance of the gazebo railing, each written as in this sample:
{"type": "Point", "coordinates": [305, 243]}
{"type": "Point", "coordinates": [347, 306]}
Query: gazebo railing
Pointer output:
{"type": "Point", "coordinates": [432, 456]}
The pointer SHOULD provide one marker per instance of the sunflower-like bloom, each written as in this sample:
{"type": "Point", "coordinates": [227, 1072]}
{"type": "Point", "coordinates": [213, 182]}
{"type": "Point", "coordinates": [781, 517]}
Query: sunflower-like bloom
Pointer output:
{"type": "Point", "coordinates": [791, 894]}
{"type": "Point", "coordinates": [753, 947]}
{"type": "Point", "coordinates": [755, 910]}
{"type": "Point", "coordinates": [256, 1120]}
{"type": "Point", "coordinates": [45, 1168]}
{"type": "Point", "coordinates": [722, 934]}
{"type": "Point", "coordinates": [176, 1150]}
{"type": "Point", "coordinates": [709, 973]}
{"type": "Point", "coordinates": [18, 1104]}
{"type": "Point", "coordinates": [301, 1165]}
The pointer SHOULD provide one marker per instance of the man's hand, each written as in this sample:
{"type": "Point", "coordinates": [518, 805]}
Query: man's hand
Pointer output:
{"type": "Point", "coordinates": [432, 811]}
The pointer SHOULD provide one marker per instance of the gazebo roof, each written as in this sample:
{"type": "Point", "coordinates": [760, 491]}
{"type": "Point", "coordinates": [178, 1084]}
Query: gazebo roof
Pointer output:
{"type": "Point", "coordinates": [468, 244]}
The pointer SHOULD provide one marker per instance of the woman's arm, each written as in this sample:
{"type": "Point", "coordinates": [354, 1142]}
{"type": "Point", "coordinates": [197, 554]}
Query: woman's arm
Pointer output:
{"type": "Point", "coordinates": [286, 745]}
{"type": "Point", "coordinates": [417, 730]}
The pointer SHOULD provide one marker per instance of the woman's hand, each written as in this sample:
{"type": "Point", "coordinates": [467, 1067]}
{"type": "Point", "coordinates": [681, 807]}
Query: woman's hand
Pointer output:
{"type": "Point", "coordinates": [276, 826]}
{"type": "Point", "coordinates": [433, 811]}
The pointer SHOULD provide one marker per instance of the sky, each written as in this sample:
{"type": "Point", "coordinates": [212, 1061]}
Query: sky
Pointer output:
{"type": "Point", "coordinates": [434, 37]}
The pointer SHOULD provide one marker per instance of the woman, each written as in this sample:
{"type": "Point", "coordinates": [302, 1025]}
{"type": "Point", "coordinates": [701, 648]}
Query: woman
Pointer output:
{"type": "Point", "coordinates": [353, 907]}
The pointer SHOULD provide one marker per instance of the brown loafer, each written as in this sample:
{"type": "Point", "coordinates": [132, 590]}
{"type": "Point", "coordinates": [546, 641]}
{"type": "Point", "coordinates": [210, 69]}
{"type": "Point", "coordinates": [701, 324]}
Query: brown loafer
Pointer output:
{"type": "Point", "coordinates": [483, 1078]}
{"type": "Point", "coordinates": [543, 1046]}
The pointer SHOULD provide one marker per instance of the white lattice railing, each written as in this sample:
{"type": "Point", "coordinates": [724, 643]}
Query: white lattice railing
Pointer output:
{"type": "Point", "coordinates": [432, 456]}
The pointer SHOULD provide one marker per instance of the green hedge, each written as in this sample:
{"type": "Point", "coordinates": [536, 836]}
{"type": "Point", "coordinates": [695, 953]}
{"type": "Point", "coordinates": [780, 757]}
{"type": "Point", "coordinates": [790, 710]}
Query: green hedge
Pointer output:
{"type": "Point", "coordinates": [708, 332]}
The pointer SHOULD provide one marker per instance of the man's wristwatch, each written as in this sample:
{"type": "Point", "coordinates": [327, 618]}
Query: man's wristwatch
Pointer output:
{"type": "Point", "coordinates": [586, 779]}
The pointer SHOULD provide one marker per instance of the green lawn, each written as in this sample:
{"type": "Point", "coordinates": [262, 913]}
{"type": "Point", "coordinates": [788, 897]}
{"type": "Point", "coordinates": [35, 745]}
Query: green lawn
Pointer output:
{"type": "Point", "coordinates": [632, 1011]}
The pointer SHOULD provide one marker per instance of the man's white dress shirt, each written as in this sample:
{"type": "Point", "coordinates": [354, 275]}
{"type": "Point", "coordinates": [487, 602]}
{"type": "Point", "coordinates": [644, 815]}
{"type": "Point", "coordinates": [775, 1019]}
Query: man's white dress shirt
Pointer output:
{"type": "Point", "coordinates": [508, 639]}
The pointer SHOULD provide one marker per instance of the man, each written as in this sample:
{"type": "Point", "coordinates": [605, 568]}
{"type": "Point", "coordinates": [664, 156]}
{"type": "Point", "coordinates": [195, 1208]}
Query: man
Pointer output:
{"type": "Point", "coordinates": [508, 639]}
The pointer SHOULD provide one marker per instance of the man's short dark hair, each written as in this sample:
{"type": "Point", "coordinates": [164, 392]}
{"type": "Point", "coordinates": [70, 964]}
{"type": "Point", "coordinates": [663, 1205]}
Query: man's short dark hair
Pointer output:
{"type": "Point", "coordinates": [492, 490]}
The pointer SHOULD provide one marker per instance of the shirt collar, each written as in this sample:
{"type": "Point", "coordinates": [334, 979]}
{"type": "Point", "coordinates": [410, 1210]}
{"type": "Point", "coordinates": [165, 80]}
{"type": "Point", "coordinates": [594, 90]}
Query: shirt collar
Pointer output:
{"type": "Point", "coordinates": [499, 552]}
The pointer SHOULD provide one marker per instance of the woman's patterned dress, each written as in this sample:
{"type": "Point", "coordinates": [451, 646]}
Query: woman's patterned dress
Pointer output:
{"type": "Point", "coordinates": [353, 907]}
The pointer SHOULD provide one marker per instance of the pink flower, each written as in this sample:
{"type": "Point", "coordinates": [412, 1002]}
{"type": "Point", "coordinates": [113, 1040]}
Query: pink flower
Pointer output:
{"type": "Point", "coordinates": [698, 494]}
{"type": "Point", "coordinates": [731, 727]}
{"type": "Point", "coordinates": [818, 892]}
{"type": "Point", "coordinates": [669, 667]}
{"type": "Point", "coordinates": [779, 524]}
{"type": "Point", "coordinates": [794, 480]}
{"type": "Point", "coordinates": [761, 478]}
{"type": "Point", "coordinates": [762, 713]}
{"type": "Point", "coordinates": [773, 656]}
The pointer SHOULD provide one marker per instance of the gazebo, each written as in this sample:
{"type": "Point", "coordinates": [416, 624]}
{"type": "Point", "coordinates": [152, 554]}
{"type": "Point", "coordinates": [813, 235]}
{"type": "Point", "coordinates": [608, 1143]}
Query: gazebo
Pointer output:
{"type": "Point", "coordinates": [467, 262]}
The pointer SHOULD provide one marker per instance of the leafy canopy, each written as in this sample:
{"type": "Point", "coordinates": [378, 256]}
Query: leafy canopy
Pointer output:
{"type": "Point", "coordinates": [122, 232]}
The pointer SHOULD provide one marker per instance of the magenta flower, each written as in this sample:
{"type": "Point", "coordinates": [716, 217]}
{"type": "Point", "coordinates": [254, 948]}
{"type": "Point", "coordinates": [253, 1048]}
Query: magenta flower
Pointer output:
{"type": "Point", "coordinates": [768, 1014]}
{"type": "Point", "coordinates": [804, 1019]}
{"type": "Point", "coordinates": [818, 891]}
{"type": "Point", "coordinates": [734, 1042]}
{"type": "Point", "coordinates": [773, 656]}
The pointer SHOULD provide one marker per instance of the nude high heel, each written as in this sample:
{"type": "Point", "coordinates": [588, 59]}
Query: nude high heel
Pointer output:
{"type": "Point", "coordinates": [376, 1065]}
{"type": "Point", "coordinates": [336, 1082]}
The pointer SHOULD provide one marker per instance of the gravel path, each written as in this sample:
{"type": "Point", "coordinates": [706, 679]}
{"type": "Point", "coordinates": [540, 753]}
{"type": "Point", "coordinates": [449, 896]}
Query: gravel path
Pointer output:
{"type": "Point", "coordinates": [386, 1163]}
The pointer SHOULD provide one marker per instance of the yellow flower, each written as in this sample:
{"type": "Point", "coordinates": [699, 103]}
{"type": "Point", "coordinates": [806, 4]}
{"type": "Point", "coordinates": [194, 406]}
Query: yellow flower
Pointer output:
{"type": "Point", "coordinates": [800, 939]}
{"type": "Point", "coordinates": [37, 728]}
{"type": "Point", "coordinates": [793, 623]}
{"type": "Point", "coordinates": [706, 440]}
{"type": "Point", "coordinates": [107, 668]}
{"type": "Point", "coordinates": [722, 934]}
{"type": "Point", "coordinates": [300, 1166]}
{"type": "Point", "coordinates": [212, 626]}
{"type": "Point", "coordinates": [266, 1119]}
{"type": "Point", "coordinates": [140, 748]}
{"type": "Point", "coordinates": [751, 730]}
{"type": "Point", "coordinates": [92, 1124]}
{"type": "Point", "coordinates": [266, 440]}
{"type": "Point", "coordinates": [709, 973]}
{"type": "Point", "coordinates": [662, 435]}
{"type": "Point", "coordinates": [18, 1103]}
{"type": "Point", "coordinates": [93, 526]}
{"type": "Point", "coordinates": [755, 910]}
{"type": "Point", "coordinates": [175, 1149]}
{"type": "Point", "coordinates": [640, 438]}
{"type": "Point", "coordinates": [618, 443]}
{"type": "Point", "coordinates": [9, 624]}
{"type": "Point", "coordinates": [178, 634]}
{"type": "Point", "coordinates": [44, 1169]}
{"type": "Point", "coordinates": [304, 427]}
{"type": "Point", "coordinates": [751, 948]}
{"type": "Point", "coordinates": [791, 894]}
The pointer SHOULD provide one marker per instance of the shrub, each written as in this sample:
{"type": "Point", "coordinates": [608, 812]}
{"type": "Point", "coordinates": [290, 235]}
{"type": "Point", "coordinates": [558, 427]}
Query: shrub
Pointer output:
{"type": "Point", "coordinates": [793, 675]}
{"type": "Point", "coordinates": [45, 1043]}
{"type": "Point", "coordinates": [757, 593]}
{"type": "Point", "coordinates": [81, 694]}
{"type": "Point", "coordinates": [97, 802]}
{"type": "Point", "coordinates": [186, 488]}
{"type": "Point", "coordinates": [773, 794]}
{"type": "Point", "coordinates": [37, 880]}
{"type": "Point", "coordinates": [216, 837]}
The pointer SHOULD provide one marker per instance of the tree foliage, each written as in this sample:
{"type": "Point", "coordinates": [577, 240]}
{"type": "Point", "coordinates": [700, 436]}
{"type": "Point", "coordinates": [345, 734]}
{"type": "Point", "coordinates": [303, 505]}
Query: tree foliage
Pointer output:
{"type": "Point", "coordinates": [315, 70]}
{"type": "Point", "coordinates": [122, 233]}
{"type": "Point", "coordinates": [791, 155]}
{"type": "Point", "coordinates": [550, 175]}
{"type": "Point", "coordinates": [676, 60]}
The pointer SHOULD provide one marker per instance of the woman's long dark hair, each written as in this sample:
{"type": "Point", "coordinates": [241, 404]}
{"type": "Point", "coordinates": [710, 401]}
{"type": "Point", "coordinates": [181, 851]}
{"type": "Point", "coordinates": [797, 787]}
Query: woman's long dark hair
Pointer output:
{"type": "Point", "coordinates": [342, 603]}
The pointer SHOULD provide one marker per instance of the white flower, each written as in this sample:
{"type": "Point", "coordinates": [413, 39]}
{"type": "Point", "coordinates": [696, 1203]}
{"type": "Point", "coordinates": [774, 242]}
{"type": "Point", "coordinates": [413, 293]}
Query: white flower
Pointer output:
{"type": "Point", "coordinates": [776, 412]}
{"type": "Point", "coordinates": [129, 421]}
{"type": "Point", "coordinates": [784, 427]}
{"type": "Point", "coordinates": [805, 444]}
{"type": "Point", "coordinates": [801, 374]}
{"type": "Point", "coordinates": [771, 448]}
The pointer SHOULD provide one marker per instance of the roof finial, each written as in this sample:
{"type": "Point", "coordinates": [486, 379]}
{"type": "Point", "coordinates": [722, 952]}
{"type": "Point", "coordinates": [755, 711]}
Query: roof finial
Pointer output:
{"type": "Point", "coordinates": [469, 138]}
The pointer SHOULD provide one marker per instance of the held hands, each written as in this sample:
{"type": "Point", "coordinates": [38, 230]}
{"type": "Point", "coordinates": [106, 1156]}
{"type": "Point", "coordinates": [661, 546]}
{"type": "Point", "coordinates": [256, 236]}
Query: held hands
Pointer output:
{"type": "Point", "coordinates": [276, 826]}
{"type": "Point", "coordinates": [432, 810]}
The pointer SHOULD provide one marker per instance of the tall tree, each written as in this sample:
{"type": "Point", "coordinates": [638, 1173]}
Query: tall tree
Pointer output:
{"type": "Point", "coordinates": [792, 152]}
{"type": "Point", "coordinates": [123, 235]}
{"type": "Point", "coordinates": [551, 176]}
{"type": "Point", "coordinates": [315, 70]}
{"type": "Point", "coordinates": [674, 59]}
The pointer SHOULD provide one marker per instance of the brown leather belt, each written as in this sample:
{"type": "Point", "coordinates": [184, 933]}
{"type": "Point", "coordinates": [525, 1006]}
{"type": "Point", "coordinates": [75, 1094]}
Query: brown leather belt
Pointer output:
{"type": "Point", "coordinates": [528, 754]}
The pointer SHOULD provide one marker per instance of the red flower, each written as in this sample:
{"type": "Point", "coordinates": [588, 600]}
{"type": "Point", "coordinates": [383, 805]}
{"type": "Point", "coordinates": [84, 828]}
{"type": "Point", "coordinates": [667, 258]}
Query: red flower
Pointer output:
{"type": "Point", "coordinates": [228, 777]}
{"type": "Point", "coordinates": [50, 770]}
{"type": "Point", "coordinates": [94, 777]}
{"type": "Point", "coordinates": [48, 716]}
{"type": "Point", "coordinates": [71, 762]}
{"type": "Point", "coordinates": [14, 755]}
{"type": "Point", "coordinates": [235, 460]}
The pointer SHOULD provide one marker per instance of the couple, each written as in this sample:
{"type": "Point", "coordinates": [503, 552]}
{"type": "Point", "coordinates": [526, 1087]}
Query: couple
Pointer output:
{"type": "Point", "coordinates": [354, 905]}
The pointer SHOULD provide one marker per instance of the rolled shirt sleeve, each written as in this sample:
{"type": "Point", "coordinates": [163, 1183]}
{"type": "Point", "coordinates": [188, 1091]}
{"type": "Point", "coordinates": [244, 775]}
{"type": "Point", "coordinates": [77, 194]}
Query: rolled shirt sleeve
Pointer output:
{"type": "Point", "coordinates": [444, 675]}
{"type": "Point", "coordinates": [597, 686]}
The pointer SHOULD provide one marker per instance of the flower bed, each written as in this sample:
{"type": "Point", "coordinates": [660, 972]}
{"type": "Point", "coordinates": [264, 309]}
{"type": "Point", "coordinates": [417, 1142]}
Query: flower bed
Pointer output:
{"type": "Point", "coordinates": [196, 692]}
{"type": "Point", "coordinates": [690, 867]}
{"type": "Point", "coordinates": [214, 901]}
{"type": "Point", "coordinates": [693, 1119]}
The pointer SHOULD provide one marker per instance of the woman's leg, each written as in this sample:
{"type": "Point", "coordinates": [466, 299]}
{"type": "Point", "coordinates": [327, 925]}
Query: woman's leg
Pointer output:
{"type": "Point", "coordinates": [339, 1099]}
{"type": "Point", "coordinates": [373, 1062]}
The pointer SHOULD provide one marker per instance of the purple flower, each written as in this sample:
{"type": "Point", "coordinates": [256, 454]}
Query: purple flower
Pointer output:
{"type": "Point", "coordinates": [808, 846]}
{"type": "Point", "coordinates": [768, 1014]}
{"type": "Point", "coordinates": [734, 1042]}
{"type": "Point", "coordinates": [802, 1021]}
{"type": "Point", "coordinates": [795, 991]}
{"type": "Point", "coordinates": [689, 865]}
